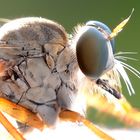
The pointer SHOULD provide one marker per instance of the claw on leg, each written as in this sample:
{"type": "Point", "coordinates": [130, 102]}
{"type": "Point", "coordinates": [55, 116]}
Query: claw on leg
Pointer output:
{"type": "Point", "coordinates": [72, 116]}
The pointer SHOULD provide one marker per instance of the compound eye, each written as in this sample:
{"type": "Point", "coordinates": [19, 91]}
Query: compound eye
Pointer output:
{"type": "Point", "coordinates": [98, 24]}
{"type": "Point", "coordinates": [94, 52]}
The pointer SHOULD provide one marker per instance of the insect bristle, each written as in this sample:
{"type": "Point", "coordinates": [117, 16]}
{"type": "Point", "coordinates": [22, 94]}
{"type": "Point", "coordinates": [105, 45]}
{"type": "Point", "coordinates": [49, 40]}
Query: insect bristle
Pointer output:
{"type": "Point", "coordinates": [121, 66]}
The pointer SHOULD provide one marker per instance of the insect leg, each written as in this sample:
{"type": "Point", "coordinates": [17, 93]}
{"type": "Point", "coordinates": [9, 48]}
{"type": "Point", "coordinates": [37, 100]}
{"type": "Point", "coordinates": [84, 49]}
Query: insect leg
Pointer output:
{"type": "Point", "coordinates": [10, 128]}
{"type": "Point", "coordinates": [72, 116]}
{"type": "Point", "coordinates": [24, 115]}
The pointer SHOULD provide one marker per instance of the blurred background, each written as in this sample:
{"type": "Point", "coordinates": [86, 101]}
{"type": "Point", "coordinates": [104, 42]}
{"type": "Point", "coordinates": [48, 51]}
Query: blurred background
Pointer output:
{"type": "Point", "coordinates": [71, 12]}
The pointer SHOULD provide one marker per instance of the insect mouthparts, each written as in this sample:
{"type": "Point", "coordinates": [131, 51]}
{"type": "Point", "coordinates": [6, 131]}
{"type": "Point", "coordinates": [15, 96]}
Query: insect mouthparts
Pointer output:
{"type": "Point", "coordinates": [104, 85]}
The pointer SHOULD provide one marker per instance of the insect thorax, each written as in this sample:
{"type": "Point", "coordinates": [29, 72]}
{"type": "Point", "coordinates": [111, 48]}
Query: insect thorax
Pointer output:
{"type": "Point", "coordinates": [40, 71]}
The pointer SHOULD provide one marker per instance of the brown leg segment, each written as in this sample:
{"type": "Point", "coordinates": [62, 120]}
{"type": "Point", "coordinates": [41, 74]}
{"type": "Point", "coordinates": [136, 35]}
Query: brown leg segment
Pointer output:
{"type": "Point", "coordinates": [20, 113]}
{"type": "Point", "coordinates": [72, 116]}
{"type": "Point", "coordinates": [10, 128]}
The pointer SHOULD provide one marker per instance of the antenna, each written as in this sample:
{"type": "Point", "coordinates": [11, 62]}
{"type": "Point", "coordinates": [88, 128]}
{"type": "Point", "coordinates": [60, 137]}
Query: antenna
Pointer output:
{"type": "Point", "coordinates": [119, 27]}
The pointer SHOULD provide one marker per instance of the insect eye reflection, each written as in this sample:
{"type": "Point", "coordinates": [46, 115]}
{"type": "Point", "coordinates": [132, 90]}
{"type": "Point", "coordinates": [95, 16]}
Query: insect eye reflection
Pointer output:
{"type": "Point", "coordinates": [94, 51]}
{"type": "Point", "coordinates": [104, 28]}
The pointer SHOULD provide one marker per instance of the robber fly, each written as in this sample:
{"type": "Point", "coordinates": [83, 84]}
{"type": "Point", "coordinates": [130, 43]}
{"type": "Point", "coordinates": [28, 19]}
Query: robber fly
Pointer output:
{"type": "Point", "coordinates": [39, 70]}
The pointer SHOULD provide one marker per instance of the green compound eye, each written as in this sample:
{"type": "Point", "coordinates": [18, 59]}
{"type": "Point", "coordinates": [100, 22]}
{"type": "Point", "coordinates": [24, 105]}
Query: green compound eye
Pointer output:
{"type": "Point", "coordinates": [94, 50]}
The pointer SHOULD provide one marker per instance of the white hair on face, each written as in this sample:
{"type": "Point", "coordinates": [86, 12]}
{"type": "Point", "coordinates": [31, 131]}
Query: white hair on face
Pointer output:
{"type": "Point", "coordinates": [121, 66]}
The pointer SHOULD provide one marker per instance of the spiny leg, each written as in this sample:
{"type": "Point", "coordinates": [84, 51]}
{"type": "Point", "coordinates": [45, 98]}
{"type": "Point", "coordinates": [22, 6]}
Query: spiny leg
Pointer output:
{"type": "Point", "coordinates": [72, 116]}
{"type": "Point", "coordinates": [10, 128]}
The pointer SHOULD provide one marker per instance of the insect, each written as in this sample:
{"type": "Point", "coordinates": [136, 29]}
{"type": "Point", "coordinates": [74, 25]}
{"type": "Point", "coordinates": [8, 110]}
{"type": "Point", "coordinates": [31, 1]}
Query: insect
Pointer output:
{"type": "Point", "coordinates": [39, 70]}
